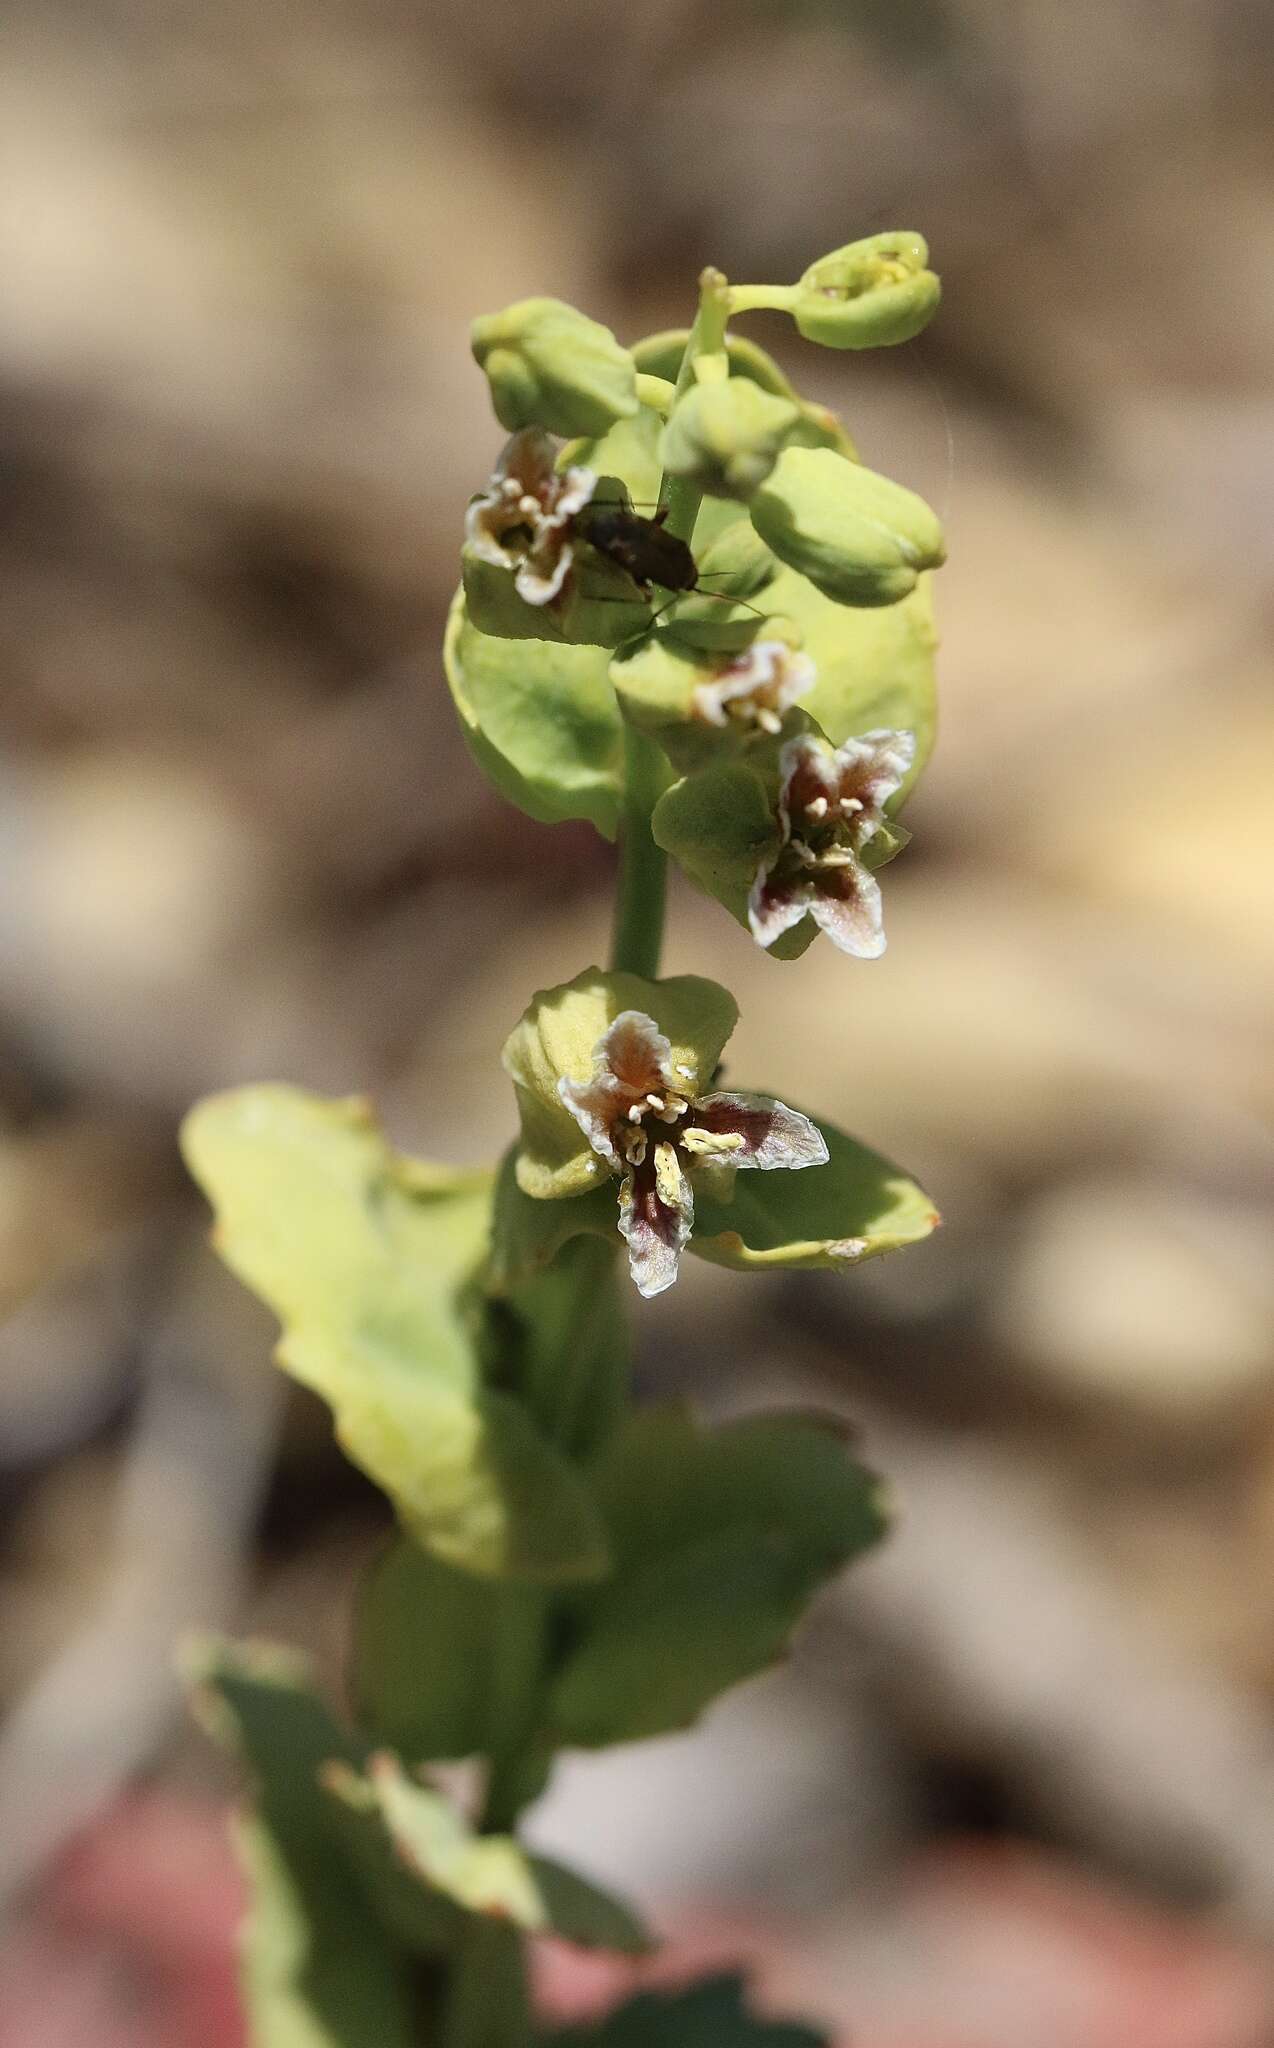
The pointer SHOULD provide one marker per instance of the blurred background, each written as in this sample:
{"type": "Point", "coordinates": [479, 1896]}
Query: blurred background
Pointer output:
{"type": "Point", "coordinates": [1016, 1788]}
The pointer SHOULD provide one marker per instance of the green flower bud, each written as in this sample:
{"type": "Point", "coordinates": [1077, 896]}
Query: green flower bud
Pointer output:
{"type": "Point", "coordinates": [869, 294]}
{"type": "Point", "coordinates": [549, 366]}
{"type": "Point", "coordinates": [859, 538]}
{"type": "Point", "coordinates": [727, 437]}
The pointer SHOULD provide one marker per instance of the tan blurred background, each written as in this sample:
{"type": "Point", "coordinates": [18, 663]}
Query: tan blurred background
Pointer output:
{"type": "Point", "coordinates": [1017, 1788]}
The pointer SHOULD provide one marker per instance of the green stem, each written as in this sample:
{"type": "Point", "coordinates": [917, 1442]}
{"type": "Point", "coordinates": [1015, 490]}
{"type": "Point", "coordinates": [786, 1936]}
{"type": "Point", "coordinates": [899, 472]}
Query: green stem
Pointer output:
{"type": "Point", "coordinates": [639, 905]}
{"type": "Point", "coordinates": [488, 2003]}
{"type": "Point", "coordinates": [639, 908]}
{"type": "Point", "coordinates": [757, 298]}
{"type": "Point", "coordinates": [706, 338]}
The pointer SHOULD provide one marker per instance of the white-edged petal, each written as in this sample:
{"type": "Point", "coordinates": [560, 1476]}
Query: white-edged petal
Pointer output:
{"type": "Point", "coordinates": [773, 1135]}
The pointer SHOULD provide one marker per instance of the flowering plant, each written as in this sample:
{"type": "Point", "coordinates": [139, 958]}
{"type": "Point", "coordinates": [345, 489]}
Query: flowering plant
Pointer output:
{"type": "Point", "coordinates": [689, 615]}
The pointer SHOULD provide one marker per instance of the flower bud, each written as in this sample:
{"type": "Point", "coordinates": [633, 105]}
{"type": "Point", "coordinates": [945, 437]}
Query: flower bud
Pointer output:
{"type": "Point", "coordinates": [549, 366]}
{"type": "Point", "coordinates": [859, 538]}
{"type": "Point", "coordinates": [727, 437]}
{"type": "Point", "coordinates": [868, 294]}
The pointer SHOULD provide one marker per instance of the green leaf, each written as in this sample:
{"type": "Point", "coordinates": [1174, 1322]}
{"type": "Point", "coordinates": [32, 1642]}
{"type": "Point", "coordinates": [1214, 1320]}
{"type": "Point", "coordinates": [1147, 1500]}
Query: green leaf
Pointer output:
{"type": "Point", "coordinates": [370, 1262]}
{"type": "Point", "coordinates": [487, 1874]}
{"type": "Point", "coordinates": [442, 1659]}
{"type": "Point", "coordinates": [719, 1537]}
{"type": "Point", "coordinates": [527, 1235]}
{"type": "Point", "coordinates": [710, 2014]}
{"type": "Point", "coordinates": [541, 721]}
{"type": "Point", "coordinates": [321, 1968]}
{"type": "Point", "coordinates": [660, 355]}
{"type": "Point", "coordinates": [629, 451]}
{"type": "Point", "coordinates": [580, 1912]}
{"type": "Point", "coordinates": [316, 1967]}
{"type": "Point", "coordinates": [874, 667]}
{"type": "Point", "coordinates": [837, 1215]}
{"type": "Point", "coordinates": [859, 537]}
{"type": "Point", "coordinates": [564, 1340]}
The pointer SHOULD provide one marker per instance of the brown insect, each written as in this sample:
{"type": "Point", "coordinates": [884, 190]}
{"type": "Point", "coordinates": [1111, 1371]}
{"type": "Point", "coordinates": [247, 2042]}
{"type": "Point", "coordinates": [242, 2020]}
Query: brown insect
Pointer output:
{"type": "Point", "coordinates": [638, 545]}
{"type": "Point", "coordinates": [641, 546]}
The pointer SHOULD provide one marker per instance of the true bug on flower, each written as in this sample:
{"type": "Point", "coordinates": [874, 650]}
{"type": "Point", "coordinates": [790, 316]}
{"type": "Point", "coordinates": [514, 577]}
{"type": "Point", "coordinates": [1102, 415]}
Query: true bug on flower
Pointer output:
{"type": "Point", "coordinates": [638, 544]}
{"type": "Point", "coordinates": [642, 547]}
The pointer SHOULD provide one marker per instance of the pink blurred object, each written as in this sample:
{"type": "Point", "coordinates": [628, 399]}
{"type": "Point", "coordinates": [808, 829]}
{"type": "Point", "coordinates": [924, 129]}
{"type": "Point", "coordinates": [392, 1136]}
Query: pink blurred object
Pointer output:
{"type": "Point", "coordinates": [1006, 1946]}
{"type": "Point", "coordinates": [131, 1943]}
{"type": "Point", "coordinates": [976, 1947]}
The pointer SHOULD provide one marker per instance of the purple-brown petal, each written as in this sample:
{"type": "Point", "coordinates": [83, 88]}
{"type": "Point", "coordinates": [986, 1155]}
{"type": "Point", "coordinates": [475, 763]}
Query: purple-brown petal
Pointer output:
{"type": "Point", "coordinates": [806, 773]}
{"type": "Point", "coordinates": [773, 1135]}
{"type": "Point", "coordinates": [635, 1051]}
{"type": "Point", "coordinates": [528, 456]}
{"type": "Point", "coordinates": [845, 903]}
{"type": "Point", "coordinates": [656, 1232]}
{"type": "Point", "coordinates": [871, 768]}
{"type": "Point", "coordinates": [774, 907]}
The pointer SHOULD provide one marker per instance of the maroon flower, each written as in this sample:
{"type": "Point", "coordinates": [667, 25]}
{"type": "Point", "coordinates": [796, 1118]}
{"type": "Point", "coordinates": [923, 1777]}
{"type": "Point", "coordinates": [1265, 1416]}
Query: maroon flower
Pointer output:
{"type": "Point", "coordinates": [756, 688]}
{"type": "Point", "coordinates": [641, 1115]}
{"type": "Point", "coordinates": [831, 803]}
{"type": "Point", "coordinates": [522, 521]}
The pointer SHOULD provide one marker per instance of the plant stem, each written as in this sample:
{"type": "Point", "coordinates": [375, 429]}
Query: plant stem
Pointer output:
{"type": "Point", "coordinates": [706, 338]}
{"type": "Point", "coordinates": [756, 298]}
{"type": "Point", "coordinates": [488, 2003]}
{"type": "Point", "coordinates": [639, 905]}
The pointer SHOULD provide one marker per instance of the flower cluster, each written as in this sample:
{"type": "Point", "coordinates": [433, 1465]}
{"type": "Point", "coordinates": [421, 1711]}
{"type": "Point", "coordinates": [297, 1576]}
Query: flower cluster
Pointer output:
{"type": "Point", "coordinates": [791, 613]}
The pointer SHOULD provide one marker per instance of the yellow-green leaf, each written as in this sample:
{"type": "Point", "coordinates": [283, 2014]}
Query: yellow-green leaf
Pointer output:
{"type": "Point", "coordinates": [540, 719]}
{"type": "Point", "coordinates": [370, 1262]}
{"type": "Point", "coordinates": [853, 1208]}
